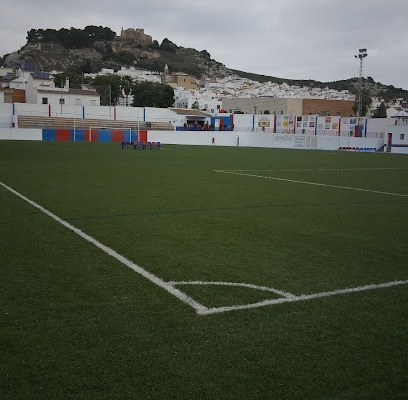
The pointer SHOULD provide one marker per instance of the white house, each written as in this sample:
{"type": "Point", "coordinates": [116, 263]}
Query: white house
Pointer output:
{"type": "Point", "coordinates": [35, 87]}
{"type": "Point", "coordinates": [40, 89]}
{"type": "Point", "coordinates": [397, 136]}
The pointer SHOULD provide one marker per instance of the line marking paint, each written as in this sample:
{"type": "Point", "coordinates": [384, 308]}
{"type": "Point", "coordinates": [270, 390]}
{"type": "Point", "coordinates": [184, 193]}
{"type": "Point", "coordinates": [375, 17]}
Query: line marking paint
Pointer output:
{"type": "Point", "coordinates": [289, 298]}
{"type": "Point", "coordinates": [136, 268]}
{"type": "Point", "coordinates": [170, 286]}
{"type": "Point", "coordinates": [309, 183]}
{"type": "Point", "coordinates": [246, 285]}
{"type": "Point", "coordinates": [319, 169]}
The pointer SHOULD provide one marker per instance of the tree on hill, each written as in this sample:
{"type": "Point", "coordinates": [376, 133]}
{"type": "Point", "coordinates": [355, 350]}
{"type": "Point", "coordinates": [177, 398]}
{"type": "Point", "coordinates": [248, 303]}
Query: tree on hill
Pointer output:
{"type": "Point", "coordinates": [366, 101]}
{"type": "Point", "coordinates": [109, 87]}
{"type": "Point", "coordinates": [169, 46]}
{"type": "Point", "coordinates": [71, 38]}
{"type": "Point", "coordinates": [150, 94]}
{"type": "Point", "coordinates": [206, 54]}
{"type": "Point", "coordinates": [124, 58]}
{"type": "Point", "coordinates": [381, 111]}
{"type": "Point", "coordinates": [155, 45]}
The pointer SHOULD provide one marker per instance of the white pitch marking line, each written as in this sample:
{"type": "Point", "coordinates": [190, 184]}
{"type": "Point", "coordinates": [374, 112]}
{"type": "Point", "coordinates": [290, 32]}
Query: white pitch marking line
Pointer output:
{"type": "Point", "coordinates": [169, 286]}
{"type": "Point", "coordinates": [310, 183]}
{"type": "Point", "coordinates": [292, 298]}
{"type": "Point", "coordinates": [200, 309]}
{"type": "Point", "coordinates": [318, 169]}
{"type": "Point", "coordinates": [247, 285]}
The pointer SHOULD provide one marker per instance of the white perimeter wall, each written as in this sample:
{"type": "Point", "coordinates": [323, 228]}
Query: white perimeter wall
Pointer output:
{"type": "Point", "coordinates": [103, 112]}
{"type": "Point", "coordinates": [20, 134]}
{"type": "Point", "coordinates": [250, 135]}
{"type": "Point", "coordinates": [6, 112]}
{"type": "Point", "coordinates": [245, 139]}
{"type": "Point", "coordinates": [263, 139]}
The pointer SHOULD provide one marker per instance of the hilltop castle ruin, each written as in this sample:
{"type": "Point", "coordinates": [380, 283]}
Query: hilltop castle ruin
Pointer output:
{"type": "Point", "coordinates": [137, 35]}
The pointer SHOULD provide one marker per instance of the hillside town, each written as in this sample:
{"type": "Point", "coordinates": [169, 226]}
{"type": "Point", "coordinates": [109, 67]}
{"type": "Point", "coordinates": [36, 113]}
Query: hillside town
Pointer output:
{"type": "Point", "coordinates": [22, 82]}
{"type": "Point", "coordinates": [210, 95]}
{"type": "Point", "coordinates": [37, 105]}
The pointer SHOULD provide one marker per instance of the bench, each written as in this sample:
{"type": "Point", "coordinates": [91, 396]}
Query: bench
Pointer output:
{"type": "Point", "coordinates": [142, 145]}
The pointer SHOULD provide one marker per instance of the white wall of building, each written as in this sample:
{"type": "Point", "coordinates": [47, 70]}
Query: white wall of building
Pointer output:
{"type": "Point", "coordinates": [399, 134]}
{"type": "Point", "coordinates": [18, 83]}
{"type": "Point", "coordinates": [376, 126]}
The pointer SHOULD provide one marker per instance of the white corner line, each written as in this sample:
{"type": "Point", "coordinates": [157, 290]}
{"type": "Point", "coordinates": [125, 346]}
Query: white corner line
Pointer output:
{"type": "Point", "coordinates": [199, 308]}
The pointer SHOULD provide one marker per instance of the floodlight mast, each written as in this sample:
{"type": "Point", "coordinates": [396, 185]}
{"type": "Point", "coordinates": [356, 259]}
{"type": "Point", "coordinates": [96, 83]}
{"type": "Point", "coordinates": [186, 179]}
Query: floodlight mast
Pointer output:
{"type": "Point", "coordinates": [362, 53]}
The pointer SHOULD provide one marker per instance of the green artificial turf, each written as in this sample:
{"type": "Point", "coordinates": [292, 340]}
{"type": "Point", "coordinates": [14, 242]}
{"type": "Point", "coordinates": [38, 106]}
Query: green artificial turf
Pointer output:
{"type": "Point", "coordinates": [75, 323]}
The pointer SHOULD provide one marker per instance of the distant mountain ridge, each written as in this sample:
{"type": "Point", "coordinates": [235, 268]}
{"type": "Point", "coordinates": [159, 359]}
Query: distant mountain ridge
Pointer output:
{"type": "Point", "coordinates": [94, 48]}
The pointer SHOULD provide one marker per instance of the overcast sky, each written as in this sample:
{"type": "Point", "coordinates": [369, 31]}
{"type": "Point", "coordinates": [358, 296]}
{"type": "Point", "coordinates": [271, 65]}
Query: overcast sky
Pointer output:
{"type": "Point", "coordinates": [296, 39]}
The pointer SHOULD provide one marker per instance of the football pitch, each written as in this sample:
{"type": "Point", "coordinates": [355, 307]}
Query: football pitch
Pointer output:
{"type": "Point", "coordinates": [202, 272]}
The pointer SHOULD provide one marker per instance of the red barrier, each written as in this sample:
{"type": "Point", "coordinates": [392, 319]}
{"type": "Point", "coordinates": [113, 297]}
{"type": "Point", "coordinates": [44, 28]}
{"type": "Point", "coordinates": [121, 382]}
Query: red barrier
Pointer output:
{"type": "Point", "coordinates": [63, 135]}
{"type": "Point", "coordinates": [142, 136]}
{"type": "Point", "coordinates": [117, 136]}
{"type": "Point", "coordinates": [92, 135]}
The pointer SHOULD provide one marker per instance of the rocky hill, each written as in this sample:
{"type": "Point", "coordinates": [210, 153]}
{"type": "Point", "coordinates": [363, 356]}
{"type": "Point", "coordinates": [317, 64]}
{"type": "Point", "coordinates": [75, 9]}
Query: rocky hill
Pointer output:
{"type": "Point", "coordinates": [51, 51]}
{"type": "Point", "coordinates": [93, 48]}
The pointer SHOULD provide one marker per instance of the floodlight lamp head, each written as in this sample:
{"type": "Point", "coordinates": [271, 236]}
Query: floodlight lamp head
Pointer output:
{"type": "Point", "coordinates": [362, 53]}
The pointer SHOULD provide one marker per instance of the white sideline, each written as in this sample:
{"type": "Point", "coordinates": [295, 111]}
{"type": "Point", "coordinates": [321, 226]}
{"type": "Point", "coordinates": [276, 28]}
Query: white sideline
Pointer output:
{"type": "Point", "coordinates": [319, 169]}
{"type": "Point", "coordinates": [141, 271]}
{"type": "Point", "coordinates": [232, 172]}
